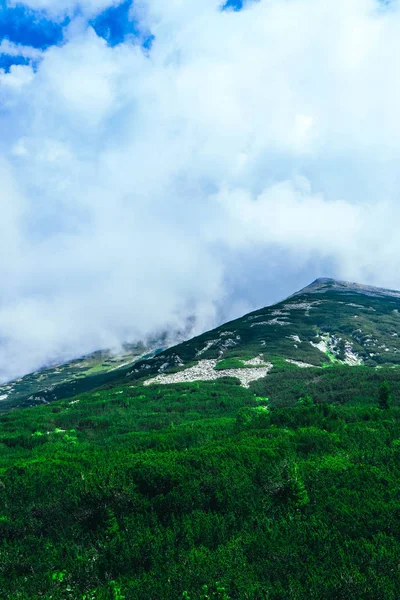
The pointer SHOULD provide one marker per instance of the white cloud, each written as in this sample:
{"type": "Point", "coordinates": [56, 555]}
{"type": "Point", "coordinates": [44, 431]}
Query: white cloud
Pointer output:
{"type": "Point", "coordinates": [247, 150]}
{"type": "Point", "coordinates": [18, 77]}
{"type": "Point", "coordinates": [11, 49]}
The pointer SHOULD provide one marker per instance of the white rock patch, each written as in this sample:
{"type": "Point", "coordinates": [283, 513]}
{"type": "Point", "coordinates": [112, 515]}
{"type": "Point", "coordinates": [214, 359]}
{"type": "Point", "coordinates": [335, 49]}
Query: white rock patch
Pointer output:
{"type": "Point", "coordinates": [322, 346]}
{"type": "Point", "coordinates": [256, 362]}
{"type": "Point", "coordinates": [207, 347]}
{"type": "Point", "coordinates": [300, 364]}
{"type": "Point", "coordinates": [351, 358]}
{"type": "Point", "coordinates": [275, 321]}
{"type": "Point", "coordinates": [295, 338]}
{"type": "Point", "coordinates": [279, 313]}
{"type": "Point", "coordinates": [306, 306]}
{"type": "Point", "coordinates": [204, 371]}
{"type": "Point", "coordinates": [328, 344]}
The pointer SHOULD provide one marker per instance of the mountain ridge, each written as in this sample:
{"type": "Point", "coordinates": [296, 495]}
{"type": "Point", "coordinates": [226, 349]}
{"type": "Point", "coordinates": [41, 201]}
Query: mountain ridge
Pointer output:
{"type": "Point", "coordinates": [329, 322]}
{"type": "Point", "coordinates": [322, 284]}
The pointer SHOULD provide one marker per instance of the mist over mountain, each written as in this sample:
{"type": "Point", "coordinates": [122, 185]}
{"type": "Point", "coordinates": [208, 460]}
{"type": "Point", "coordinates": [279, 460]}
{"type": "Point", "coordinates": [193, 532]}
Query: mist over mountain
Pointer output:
{"type": "Point", "coordinates": [329, 323]}
{"type": "Point", "coordinates": [160, 160]}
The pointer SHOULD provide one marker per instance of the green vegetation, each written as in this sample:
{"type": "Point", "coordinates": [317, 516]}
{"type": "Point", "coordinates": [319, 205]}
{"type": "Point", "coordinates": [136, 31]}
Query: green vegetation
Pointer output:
{"type": "Point", "coordinates": [287, 490]}
{"type": "Point", "coordinates": [368, 325]}
{"type": "Point", "coordinates": [230, 363]}
{"type": "Point", "coordinates": [206, 490]}
{"type": "Point", "coordinates": [385, 396]}
{"type": "Point", "coordinates": [68, 379]}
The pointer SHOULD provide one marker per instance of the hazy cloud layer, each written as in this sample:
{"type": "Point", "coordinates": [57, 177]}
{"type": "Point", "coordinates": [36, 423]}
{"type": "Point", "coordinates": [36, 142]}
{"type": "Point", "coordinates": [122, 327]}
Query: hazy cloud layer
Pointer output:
{"type": "Point", "coordinates": [243, 155]}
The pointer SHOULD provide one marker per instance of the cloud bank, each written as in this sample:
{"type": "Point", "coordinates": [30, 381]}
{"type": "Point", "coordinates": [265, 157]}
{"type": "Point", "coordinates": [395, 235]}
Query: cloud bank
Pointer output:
{"type": "Point", "coordinates": [243, 155]}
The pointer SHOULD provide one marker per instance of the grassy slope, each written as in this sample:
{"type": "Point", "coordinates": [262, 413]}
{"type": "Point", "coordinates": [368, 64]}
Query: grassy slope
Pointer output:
{"type": "Point", "coordinates": [154, 492]}
{"type": "Point", "coordinates": [132, 492]}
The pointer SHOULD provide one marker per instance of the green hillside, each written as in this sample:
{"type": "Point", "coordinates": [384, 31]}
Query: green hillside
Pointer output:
{"type": "Point", "coordinates": [219, 469]}
{"type": "Point", "coordinates": [68, 379]}
{"type": "Point", "coordinates": [327, 323]}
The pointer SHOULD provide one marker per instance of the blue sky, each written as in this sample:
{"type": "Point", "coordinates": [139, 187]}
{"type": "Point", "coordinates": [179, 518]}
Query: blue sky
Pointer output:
{"type": "Point", "coordinates": [28, 27]}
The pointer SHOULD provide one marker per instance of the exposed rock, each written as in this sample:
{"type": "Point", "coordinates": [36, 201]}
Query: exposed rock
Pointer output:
{"type": "Point", "coordinates": [204, 371]}
{"type": "Point", "coordinates": [295, 338]}
{"type": "Point", "coordinates": [276, 321]}
{"type": "Point", "coordinates": [208, 345]}
{"type": "Point", "coordinates": [300, 364]}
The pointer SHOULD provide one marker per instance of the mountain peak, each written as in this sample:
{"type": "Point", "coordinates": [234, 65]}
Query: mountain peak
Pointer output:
{"type": "Point", "coordinates": [325, 284]}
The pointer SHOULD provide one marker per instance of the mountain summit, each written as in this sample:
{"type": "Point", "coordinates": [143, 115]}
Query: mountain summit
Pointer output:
{"type": "Point", "coordinates": [326, 284]}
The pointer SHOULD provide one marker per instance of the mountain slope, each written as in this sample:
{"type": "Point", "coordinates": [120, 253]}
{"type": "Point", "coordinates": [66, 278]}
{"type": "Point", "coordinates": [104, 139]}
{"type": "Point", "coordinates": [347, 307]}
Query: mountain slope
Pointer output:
{"type": "Point", "coordinates": [76, 376]}
{"type": "Point", "coordinates": [326, 323]}
{"type": "Point", "coordinates": [286, 489]}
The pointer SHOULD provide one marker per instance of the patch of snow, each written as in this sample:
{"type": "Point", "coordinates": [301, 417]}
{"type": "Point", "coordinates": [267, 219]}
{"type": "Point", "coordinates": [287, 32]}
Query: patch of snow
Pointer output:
{"type": "Point", "coordinates": [4, 397]}
{"type": "Point", "coordinates": [204, 371]}
{"type": "Point", "coordinates": [74, 402]}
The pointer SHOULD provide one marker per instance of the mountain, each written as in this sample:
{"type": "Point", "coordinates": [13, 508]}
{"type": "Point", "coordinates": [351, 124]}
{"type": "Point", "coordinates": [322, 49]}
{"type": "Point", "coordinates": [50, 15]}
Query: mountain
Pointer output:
{"type": "Point", "coordinates": [327, 323]}
{"type": "Point", "coordinates": [76, 376]}
{"type": "Point", "coordinates": [258, 460]}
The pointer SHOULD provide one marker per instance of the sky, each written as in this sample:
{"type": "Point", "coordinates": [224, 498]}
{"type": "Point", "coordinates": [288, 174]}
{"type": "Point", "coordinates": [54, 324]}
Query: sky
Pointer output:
{"type": "Point", "coordinates": [161, 161]}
